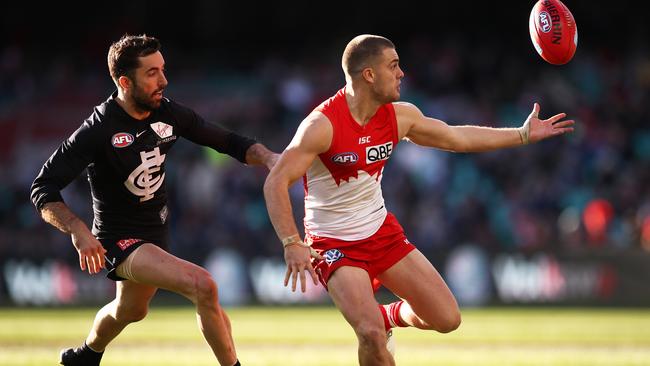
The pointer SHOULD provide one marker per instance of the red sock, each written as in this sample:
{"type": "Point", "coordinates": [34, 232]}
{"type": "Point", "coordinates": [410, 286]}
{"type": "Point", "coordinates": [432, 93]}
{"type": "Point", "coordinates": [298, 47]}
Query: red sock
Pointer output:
{"type": "Point", "coordinates": [393, 314]}
{"type": "Point", "coordinates": [382, 310]}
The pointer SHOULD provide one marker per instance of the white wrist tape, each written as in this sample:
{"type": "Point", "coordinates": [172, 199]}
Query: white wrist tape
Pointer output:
{"type": "Point", "coordinates": [524, 133]}
{"type": "Point", "coordinates": [293, 239]}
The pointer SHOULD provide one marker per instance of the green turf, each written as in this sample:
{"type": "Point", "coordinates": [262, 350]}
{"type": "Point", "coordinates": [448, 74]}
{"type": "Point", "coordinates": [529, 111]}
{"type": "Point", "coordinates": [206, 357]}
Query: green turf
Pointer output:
{"type": "Point", "coordinates": [320, 336]}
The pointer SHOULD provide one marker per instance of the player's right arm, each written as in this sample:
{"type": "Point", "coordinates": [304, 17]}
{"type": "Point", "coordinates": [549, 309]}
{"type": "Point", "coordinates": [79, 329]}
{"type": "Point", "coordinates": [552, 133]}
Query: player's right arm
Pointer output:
{"type": "Point", "coordinates": [59, 170]}
{"type": "Point", "coordinates": [313, 137]}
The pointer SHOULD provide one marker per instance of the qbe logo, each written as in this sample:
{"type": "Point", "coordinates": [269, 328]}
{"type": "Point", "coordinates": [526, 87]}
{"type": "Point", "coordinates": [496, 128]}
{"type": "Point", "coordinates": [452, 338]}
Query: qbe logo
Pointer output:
{"type": "Point", "coordinates": [378, 152]}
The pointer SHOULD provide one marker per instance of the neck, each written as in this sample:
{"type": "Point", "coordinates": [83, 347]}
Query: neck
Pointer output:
{"type": "Point", "coordinates": [361, 105]}
{"type": "Point", "coordinates": [129, 107]}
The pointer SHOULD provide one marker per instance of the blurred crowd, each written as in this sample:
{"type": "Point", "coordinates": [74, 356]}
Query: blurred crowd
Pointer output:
{"type": "Point", "coordinates": [587, 191]}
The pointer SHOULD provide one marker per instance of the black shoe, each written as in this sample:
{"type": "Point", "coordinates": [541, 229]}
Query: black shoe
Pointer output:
{"type": "Point", "coordinates": [80, 356]}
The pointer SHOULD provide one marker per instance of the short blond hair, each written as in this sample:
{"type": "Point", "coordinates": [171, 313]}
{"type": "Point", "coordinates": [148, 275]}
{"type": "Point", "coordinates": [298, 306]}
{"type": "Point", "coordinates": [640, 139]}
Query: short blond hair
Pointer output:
{"type": "Point", "coordinates": [361, 50]}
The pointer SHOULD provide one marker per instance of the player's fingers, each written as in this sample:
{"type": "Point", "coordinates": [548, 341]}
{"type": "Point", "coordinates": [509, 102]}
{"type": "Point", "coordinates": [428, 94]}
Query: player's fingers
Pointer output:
{"type": "Point", "coordinates": [556, 118]}
{"type": "Point", "coordinates": [99, 260]}
{"type": "Point", "coordinates": [82, 261]}
{"type": "Point", "coordinates": [102, 263]}
{"type": "Point", "coordinates": [315, 254]}
{"type": "Point", "coordinates": [312, 273]}
{"type": "Point", "coordinates": [303, 281]}
{"type": "Point", "coordinates": [564, 124]}
{"type": "Point", "coordinates": [286, 276]}
{"type": "Point", "coordinates": [535, 112]}
{"type": "Point", "coordinates": [294, 278]}
{"type": "Point", "coordinates": [92, 265]}
{"type": "Point", "coordinates": [560, 131]}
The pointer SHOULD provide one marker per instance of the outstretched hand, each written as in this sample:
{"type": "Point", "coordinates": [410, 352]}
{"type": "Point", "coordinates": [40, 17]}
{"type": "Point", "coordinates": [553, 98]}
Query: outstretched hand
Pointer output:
{"type": "Point", "coordinates": [298, 259]}
{"type": "Point", "coordinates": [536, 129]}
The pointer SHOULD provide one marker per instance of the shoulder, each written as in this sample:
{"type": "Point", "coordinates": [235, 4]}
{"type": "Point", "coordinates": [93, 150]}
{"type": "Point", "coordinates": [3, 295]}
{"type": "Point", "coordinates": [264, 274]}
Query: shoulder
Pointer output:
{"type": "Point", "coordinates": [406, 109]}
{"type": "Point", "coordinates": [315, 124]}
{"type": "Point", "coordinates": [314, 132]}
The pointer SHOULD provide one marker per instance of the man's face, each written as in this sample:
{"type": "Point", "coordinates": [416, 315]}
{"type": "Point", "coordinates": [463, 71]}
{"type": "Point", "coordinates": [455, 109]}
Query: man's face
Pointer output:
{"type": "Point", "coordinates": [149, 82]}
{"type": "Point", "coordinates": [388, 76]}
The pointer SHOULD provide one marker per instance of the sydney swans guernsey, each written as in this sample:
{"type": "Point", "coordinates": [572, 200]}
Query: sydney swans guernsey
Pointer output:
{"type": "Point", "coordinates": [343, 197]}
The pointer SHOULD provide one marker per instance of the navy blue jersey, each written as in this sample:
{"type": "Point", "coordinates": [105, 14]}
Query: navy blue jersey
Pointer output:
{"type": "Point", "coordinates": [125, 162]}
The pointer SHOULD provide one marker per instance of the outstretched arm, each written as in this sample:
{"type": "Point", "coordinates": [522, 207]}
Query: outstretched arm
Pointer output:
{"type": "Point", "coordinates": [258, 154]}
{"type": "Point", "coordinates": [312, 138]}
{"type": "Point", "coordinates": [425, 131]}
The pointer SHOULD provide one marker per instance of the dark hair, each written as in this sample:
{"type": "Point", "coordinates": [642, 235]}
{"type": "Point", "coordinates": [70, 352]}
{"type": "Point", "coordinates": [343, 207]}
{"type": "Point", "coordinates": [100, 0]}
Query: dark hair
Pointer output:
{"type": "Point", "coordinates": [123, 54]}
{"type": "Point", "coordinates": [361, 50]}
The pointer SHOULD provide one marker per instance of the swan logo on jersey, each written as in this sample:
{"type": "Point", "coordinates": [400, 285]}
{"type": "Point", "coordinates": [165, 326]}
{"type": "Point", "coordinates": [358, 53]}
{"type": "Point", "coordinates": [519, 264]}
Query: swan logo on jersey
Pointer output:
{"type": "Point", "coordinates": [332, 256]}
{"type": "Point", "coordinates": [378, 152]}
{"type": "Point", "coordinates": [122, 139]}
{"type": "Point", "coordinates": [345, 158]}
{"type": "Point", "coordinates": [142, 182]}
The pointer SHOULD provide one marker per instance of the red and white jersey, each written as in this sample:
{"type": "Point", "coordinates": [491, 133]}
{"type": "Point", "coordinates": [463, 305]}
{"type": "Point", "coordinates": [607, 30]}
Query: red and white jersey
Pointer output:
{"type": "Point", "coordinates": [343, 197]}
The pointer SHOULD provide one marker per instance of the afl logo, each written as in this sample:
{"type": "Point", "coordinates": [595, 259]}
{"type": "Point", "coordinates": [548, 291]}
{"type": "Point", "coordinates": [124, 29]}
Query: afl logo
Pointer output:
{"type": "Point", "coordinates": [346, 158]}
{"type": "Point", "coordinates": [545, 22]}
{"type": "Point", "coordinates": [122, 139]}
{"type": "Point", "coordinates": [332, 256]}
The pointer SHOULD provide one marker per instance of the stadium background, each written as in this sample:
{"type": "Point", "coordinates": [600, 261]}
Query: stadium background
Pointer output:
{"type": "Point", "coordinates": [563, 222]}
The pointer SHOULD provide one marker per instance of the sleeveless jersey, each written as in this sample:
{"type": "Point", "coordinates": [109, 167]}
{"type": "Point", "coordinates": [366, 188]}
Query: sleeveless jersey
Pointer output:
{"type": "Point", "coordinates": [343, 197]}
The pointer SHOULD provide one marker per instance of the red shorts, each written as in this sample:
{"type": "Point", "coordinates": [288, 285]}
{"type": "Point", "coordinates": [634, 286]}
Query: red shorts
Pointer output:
{"type": "Point", "coordinates": [375, 254]}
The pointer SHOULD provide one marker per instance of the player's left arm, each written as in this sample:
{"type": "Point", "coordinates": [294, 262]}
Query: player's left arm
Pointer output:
{"type": "Point", "coordinates": [431, 132]}
{"type": "Point", "coordinates": [245, 149]}
{"type": "Point", "coordinates": [258, 154]}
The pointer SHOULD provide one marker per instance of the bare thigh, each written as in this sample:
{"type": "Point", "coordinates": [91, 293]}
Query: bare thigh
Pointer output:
{"type": "Point", "coordinates": [155, 267]}
{"type": "Point", "coordinates": [352, 292]}
{"type": "Point", "coordinates": [415, 280]}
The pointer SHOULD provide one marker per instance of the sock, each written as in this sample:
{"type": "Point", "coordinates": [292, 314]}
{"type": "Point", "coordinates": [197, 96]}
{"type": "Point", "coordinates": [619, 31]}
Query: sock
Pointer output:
{"type": "Point", "coordinates": [86, 348]}
{"type": "Point", "coordinates": [392, 313]}
{"type": "Point", "coordinates": [384, 315]}
{"type": "Point", "coordinates": [91, 354]}
{"type": "Point", "coordinates": [237, 363]}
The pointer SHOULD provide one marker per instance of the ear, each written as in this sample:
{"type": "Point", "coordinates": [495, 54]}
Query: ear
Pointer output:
{"type": "Point", "coordinates": [368, 75]}
{"type": "Point", "coordinates": [124, 83]}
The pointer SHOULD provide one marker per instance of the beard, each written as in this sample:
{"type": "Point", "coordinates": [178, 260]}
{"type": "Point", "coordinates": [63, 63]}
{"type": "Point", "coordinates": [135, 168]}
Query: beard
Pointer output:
{"type": "Point", "coordinates": [142, 101]}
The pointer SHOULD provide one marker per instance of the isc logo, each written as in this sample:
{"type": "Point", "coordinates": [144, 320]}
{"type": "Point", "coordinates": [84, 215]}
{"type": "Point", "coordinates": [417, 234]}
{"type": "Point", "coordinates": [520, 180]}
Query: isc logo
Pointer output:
{"type": "Point", "coordinates": [378, 152]}
{"type": "Point", "coordinates": [122, 139]}
{"type": "Point", "coordinates": [345, 158]}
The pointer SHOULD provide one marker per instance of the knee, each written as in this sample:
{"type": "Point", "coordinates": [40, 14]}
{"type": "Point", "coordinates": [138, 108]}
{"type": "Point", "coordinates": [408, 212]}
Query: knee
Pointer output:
{"type": "Point", "coordinates": [371, 336]}
{"type": "Point", "coordinates": [131, 314]}
{"type": "Point", "coordinates": [203, 287]}
{"type": "Point", "coordinates": [449, 323]}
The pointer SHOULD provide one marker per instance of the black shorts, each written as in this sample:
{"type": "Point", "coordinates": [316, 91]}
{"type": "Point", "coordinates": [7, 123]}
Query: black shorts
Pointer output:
{"type": "Point", "coordinates": [117, 250]}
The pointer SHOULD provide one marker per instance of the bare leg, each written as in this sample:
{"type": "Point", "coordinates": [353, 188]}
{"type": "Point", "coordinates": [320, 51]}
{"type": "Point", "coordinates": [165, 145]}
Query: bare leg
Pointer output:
{"type": "Point", "coordinates": [155, 267]}
{"type": "Point", "coordinates": [130, 305]}
{"type": "Point", "coordinates": [429, 304]}
{"type": "Point", "coordinates": [351, 290]}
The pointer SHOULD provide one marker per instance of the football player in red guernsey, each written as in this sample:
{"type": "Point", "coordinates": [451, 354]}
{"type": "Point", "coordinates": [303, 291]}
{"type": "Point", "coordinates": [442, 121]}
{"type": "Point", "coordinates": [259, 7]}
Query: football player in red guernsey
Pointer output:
{"type": "Point", "coordinates": [340, 150]}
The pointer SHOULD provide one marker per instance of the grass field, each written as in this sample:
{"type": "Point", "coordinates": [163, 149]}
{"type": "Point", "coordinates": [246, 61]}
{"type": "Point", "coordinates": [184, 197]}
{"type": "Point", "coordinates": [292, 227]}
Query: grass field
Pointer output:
{"type": "Point", "coordinates": [320, 336]}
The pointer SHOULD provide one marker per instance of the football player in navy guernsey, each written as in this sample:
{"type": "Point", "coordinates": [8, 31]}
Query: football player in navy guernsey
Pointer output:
{"type": "Point", "coordinates": [123, 146]}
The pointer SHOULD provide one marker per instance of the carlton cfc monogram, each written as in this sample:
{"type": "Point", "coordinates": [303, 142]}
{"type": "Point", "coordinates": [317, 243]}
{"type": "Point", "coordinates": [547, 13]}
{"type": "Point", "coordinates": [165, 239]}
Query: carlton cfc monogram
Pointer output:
{"type": "Point", "coordinates": [141, 181]}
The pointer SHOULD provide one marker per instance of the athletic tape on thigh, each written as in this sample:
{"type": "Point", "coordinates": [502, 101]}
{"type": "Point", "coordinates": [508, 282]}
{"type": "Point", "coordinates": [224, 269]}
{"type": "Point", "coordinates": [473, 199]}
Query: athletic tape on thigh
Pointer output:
{"type": "Point", "coordinates": [124, 269]}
